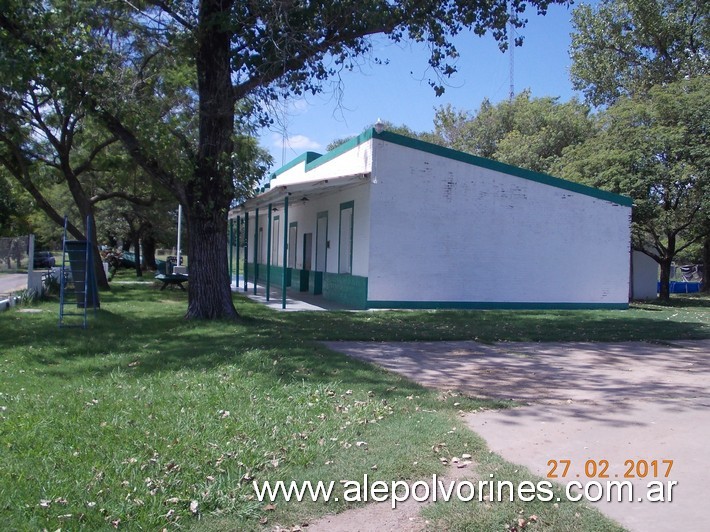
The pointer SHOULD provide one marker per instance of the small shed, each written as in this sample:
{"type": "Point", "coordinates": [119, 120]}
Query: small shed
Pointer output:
{"type": "Point", "coordinates": [387, 221]}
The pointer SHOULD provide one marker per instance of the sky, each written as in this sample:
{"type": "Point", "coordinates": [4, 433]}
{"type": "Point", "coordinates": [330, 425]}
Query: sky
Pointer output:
{"type": "Point", "coordinates": [398, 91]}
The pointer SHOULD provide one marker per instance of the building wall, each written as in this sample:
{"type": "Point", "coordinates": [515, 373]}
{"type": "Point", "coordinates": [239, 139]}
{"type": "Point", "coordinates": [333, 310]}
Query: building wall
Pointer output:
{"type": "Point", "coordinates": [305, 216]}
{"type": "Point", "coordinates": [645, 276]}
{"type": "Point", "coordinates": [313, 167]}
{"type": "Point", "coordinates": [449, 232]}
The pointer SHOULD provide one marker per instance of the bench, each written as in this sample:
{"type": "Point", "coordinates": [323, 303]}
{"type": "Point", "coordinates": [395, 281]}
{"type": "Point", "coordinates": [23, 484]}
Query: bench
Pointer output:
{"type": "Point", "coordinates": [174, 279]}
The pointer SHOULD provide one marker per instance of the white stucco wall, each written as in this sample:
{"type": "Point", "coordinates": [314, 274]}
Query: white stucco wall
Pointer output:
{"type": "Point", "coordinates": [356, 160]}
{"type": "Point", "coordinates": [645, 276]}
{"type": "Point", "coordinates": [447, 231]}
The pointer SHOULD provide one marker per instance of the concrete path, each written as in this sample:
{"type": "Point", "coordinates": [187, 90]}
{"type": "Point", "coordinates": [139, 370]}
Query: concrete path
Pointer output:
{"type": "Point", "coordinates": [586, 402]}
{"type": "Point", "coordinates": [295, 301]}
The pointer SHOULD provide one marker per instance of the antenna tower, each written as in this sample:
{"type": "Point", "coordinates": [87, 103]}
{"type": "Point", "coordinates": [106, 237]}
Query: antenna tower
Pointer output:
{"type": "Point", "coordinates": [511, 50]}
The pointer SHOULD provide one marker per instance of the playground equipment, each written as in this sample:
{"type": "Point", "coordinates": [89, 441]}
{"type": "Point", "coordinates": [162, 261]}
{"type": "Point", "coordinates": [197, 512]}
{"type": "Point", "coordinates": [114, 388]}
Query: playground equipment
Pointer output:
{"type": "Point", "coordinates": [77, 280]}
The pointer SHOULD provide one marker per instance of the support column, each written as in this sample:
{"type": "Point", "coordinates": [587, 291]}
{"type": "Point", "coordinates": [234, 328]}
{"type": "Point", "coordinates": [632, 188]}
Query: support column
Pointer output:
{"type": "Point", "coordinates": [268, 254]}
{"type": "Point", "coordinates": [285, 255]}
{"type": "Point", "coordinates": [231, 250]}
{"type": "Point", "coordinates": [246, 249]}
{"type": "Point", "coordinates": [239, 229]}
{"type": "Point", "coordinates": [256, 248]}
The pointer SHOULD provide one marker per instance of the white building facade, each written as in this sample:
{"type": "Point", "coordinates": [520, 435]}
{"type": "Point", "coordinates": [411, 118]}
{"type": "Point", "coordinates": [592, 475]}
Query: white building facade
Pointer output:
{"type": "Point", "coordinates": [386, 221]}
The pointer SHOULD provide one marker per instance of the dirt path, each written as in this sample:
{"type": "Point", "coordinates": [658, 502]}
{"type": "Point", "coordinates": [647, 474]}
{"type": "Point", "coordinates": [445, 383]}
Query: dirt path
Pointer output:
{"type": "Point", "coordinates": [380, 517]}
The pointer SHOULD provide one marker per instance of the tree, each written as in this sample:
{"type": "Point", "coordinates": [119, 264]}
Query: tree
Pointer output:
{"type": "Point", "coordinates": [389, 126]}
{"type": "Point", "coordinates": [14, 207]}
{"type": "Point", "coordinates": [527, 132]}
{"type": "Point", "coordinates": [655, 149]}
{"type": "Point", "coordinates": [625, 47]}
{"type": "Point", "coordinates": [46, 137]}
{"type": "Point", "coordinates": [8, 205]}
{"type": "Point", "coordinates": [243, 54]}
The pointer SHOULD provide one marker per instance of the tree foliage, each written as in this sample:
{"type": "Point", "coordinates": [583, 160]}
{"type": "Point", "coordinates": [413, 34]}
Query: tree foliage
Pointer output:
{"type": "Point", "coordinates": [655, 149]}
{"type": "Point", "coordinates": [528, 132]}
{"type": "Point", "coordinates": [389, 126]}
{"type": "Point", "coordinates": [127, 61]}
{"type": "Point", "coordinates": [625, 47]}
{"type": "Point", "coordinates": [14, 208]}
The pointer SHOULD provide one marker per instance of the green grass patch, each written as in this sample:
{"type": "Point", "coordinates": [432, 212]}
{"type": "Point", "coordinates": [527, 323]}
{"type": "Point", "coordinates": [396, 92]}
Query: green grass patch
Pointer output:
{"type": "Point", "coordinates": [684, 318]}
{"type": "Point", "coordinates": [129, 422]}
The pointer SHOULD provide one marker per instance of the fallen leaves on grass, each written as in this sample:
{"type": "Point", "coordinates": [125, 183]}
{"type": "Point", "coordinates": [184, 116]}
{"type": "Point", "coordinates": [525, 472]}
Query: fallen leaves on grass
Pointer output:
{"type": "Point", "coordinates": [194, 507]}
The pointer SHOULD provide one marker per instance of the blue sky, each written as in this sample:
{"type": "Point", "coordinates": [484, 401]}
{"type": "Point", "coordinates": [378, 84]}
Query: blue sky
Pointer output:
{"type": "Point", "coordinates": [398, 91]}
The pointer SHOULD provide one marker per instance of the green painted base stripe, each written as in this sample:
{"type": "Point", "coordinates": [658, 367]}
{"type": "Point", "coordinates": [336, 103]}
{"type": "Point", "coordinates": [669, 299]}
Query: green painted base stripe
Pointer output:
{"type": "Point", "coordinates": [494, 305]}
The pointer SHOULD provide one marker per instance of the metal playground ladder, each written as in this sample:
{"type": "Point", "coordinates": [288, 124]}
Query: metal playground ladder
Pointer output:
{"type": "Point", "coordinates": [77, 280]}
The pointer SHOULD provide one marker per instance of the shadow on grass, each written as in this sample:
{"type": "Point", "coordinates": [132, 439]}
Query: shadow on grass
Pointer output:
{"type": "Point", "coordinates": [143, 326]}
{"type": "Point", "coordinates": [145, 339]}
{"type": "Point", "coordinates": [501, 326]}
{"type": "Point", "coordinates": [681, 300]}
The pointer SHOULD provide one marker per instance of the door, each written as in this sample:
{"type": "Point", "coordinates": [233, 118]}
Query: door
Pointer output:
{"type": "Point", "coordinates": [345, 254]}
{"type": "Point", "coordinates": [322, 242]}
{"type": "Point", "coordinates": [307, 250]}
{"type": "Point", "coordinates": [275, 242]}
{"type": "Point", "coordinates": [292, 244]}
{"type": "Point", "coordinates": [260, 257]}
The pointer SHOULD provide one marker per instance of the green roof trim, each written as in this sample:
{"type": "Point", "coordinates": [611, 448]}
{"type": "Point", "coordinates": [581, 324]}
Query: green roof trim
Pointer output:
{"type": "Point", "coordinates": [307, 157]}
{"type": "Point", "coordinates": [492, 305]}
{"type": "Point", "coordinates": [344, 147]}
{"type": "Point", "coordinates": [314, 160]}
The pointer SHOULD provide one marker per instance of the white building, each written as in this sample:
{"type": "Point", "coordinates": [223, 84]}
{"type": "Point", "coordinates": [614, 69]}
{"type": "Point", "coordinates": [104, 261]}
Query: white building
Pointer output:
{"type": "Point", "coordinates": [386, 221]}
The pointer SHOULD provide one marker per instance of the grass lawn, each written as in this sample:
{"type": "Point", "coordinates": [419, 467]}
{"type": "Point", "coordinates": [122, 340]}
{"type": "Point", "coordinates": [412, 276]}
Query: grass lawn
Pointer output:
{"type": "Point", "coordinates": [147, 421]}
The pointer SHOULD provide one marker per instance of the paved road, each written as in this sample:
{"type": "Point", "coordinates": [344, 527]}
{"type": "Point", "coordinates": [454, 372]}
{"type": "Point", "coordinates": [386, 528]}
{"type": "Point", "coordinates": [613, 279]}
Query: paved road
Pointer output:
{"type": "Point", "coordinates": [618, 402]}
{"type": "Point", "coordinates": [12, 282]}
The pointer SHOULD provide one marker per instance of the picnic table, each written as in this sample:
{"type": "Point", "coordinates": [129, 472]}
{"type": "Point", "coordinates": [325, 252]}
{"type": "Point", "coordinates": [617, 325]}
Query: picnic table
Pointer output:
{"type": "Point", "coordinates": [173, 279]}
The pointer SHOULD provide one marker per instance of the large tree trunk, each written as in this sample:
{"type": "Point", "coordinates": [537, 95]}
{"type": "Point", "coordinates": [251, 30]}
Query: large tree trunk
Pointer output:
{"type": "Point", "coordinates": [210, 295]}
{"type": "Point", "coordinates": [137, 251]}
{"type": "Point", "coordinates": [664, 293]}
{"type": "Point", "coordinates": [706, 265]}
{"type": "Point", "coordinates": [101, 280]}
{"type": "Point", "coordinates": [149, 250]}
{"type": "Point", "coordinates": [99, 272]}
{"type": "Point", "coordinates": [210, 191]}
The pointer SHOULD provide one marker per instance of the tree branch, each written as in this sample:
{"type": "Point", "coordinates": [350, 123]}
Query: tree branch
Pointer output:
{"type": "Point", "coordinates": [20, 171]}
{"type": "Point", "coordinates": [135, 149]}
{"type": "Point", "coordinates": [103, 196]}
{"type": "Point", "coordinates": [86, 165]}
{"type": "Point", "coordinates": [174, 15]}
{"type": "Point", "coordinates": [274, 71]}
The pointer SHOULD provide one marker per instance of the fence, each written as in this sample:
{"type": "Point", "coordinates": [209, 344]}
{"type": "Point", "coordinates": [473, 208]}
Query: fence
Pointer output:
{"type": "Point", "coordinates": [14, 253]}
